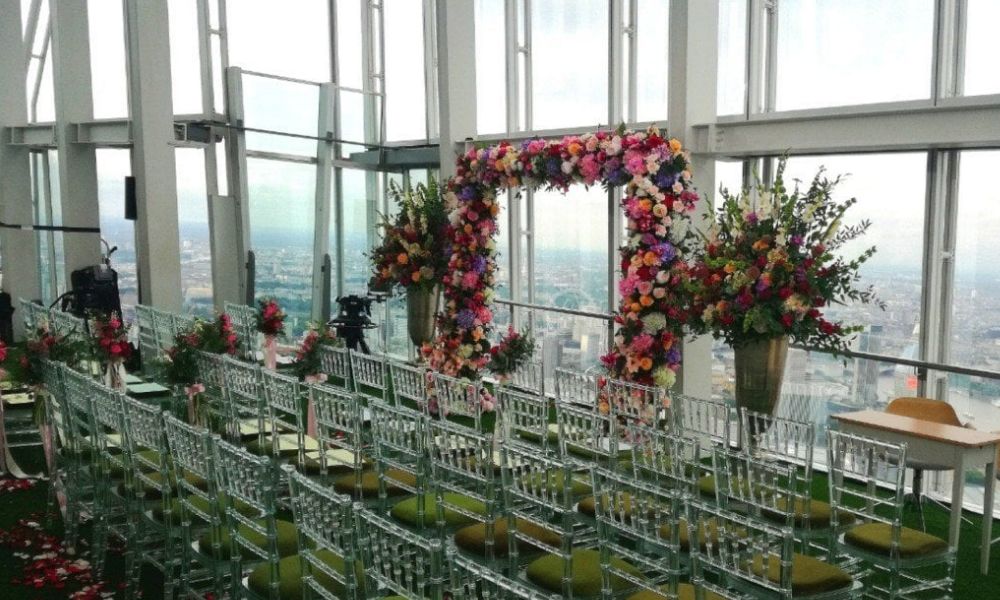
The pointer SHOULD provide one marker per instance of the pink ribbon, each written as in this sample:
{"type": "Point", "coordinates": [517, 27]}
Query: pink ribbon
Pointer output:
{"type": "Point", "coordinates": [310, 406]}
{"type": "Point", "coordinates": [193, 390]}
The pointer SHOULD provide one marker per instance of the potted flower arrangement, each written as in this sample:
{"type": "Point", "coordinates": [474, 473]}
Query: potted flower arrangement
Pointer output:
{"type": "Point", "coordinates": [218, 336]}
{"type": "Point", "coordinates": [768, 270]}
{"type": "Point", "coordinates": [271, 323]}
{"type": "Point", "coordinates": [307, 362]}
{"type": "Point", "coordinates": [510, 353]}
{"type": "Point", "coordinates": [111, 347]}
{"type": "Point", "coordinates": [181, 365]}
{"type": "Point", "coordinates": [413, 254]}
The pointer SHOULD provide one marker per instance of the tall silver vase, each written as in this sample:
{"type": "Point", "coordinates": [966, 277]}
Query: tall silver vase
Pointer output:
{"type": "Point", "coordinates": [760, 367]}
{"type": "Point", "coordinates": [421, 308]}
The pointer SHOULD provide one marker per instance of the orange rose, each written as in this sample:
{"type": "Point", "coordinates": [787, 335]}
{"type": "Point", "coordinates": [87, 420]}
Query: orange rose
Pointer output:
{"type": "Point", "coordinates": [402, 258]}
{"type": "Point", "coordinates": [646, 364]}
{"type": "Point", "coordinates": [415, 276]}
{"type": "Point", "coordinates": [646, 301]}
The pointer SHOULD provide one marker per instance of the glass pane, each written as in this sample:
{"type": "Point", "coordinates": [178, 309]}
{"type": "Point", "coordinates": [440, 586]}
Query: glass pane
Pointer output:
{"type": "Point", "coordinates": [895, 207]}
{"type": "Point", "coordinates": [106, 21]}
{"type": "Point", "coordinates": [40, 205]}
{"type": "Point", "coordinates": [349, 44]}
{"type": "Point", "coordinates": [113, 166]}
{"type": "Point", "coordinates": [185, 58]}
{"type": "Point", "coordinates": [841, 53]}
{"type": "Point", "coordinates": [566, 341]}
{"type": "Point", "coordinates": [503, 248]}
{"type": "Point", "coordinates": [192, 218]}
{"type": "Point", "coordinates": [491, 69]}
{"type": "Point", "coordinates": [651, 62]}
{"type": "Point", "coordinates": [569, 89]}
{"type": "Point", "coordinates": [57, 249]}
{"type": "Point", "coordinates": [281, 234]}
{"type": "Point", "coordinates": [571, 249]}
{"type": "Point", "coordinates": [281, 38]}
{"type": "Point", "coordinates": [357, 270]}
{"type": "Point", "coordinates": [982, 46]}
{"type": "Point", "coordinates": [352, 121]}
{"type": "Point", "coordinates": [284, 106]}
{"type": "Point", "coordinates": [732, 80]}
{"type": "Point", "coordinates": [44, 107]}
{"type": "Point", "coordinates": [405, 89]}
{"type": "Point", "coordinates": [728, 175]}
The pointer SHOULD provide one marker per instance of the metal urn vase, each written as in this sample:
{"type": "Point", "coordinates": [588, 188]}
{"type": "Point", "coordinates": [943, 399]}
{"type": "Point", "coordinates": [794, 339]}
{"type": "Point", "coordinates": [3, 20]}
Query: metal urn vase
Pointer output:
{"type": "Point", "coordinates": [421, 309]}
{"type": "Point", "coordinates": [760, 366]}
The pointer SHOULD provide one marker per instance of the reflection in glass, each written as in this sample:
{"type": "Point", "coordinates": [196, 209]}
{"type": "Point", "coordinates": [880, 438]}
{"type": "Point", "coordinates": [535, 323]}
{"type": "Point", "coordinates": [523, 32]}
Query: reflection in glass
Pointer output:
{"type": "Point", "coordinates": [283, 106]}
{"type": "Point", "coordinates": [281, 234]}
{"type": "Point", "coordinates": [569, 45]}
{"type": "Point", "coordinates": [192, 221]}
{"type": "Point", "coordinates": [841, 53]}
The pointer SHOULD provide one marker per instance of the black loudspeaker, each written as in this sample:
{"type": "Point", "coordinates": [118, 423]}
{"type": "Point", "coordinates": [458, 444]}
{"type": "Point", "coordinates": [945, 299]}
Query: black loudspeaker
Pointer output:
{"type": "Point", "coordinates": [95, 289]}
{"type": "Point", "coordinates": [131, 212]}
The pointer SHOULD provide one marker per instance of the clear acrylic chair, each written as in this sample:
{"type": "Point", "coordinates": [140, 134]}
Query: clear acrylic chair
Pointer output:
{"type": "Point", "coordinates": [33, 314]}
{"type": "Point", "coordinates": [335, 361]}
{"type": "Point", "coordinates": [399, 436]}
{"type": "Point", "coordinates": [756, 487]}
{"type": "Point", "coordinates": [200, 510]}
{"type": "Point", "coordinates": [539, 499]}
{"type": "Point", "coordinates": [470, 580]}
{"type": "Point", "coordinates": [163, 330]}
{"type": "Point", "coordinates": [115, 512]}
{"type": "Point", "coordinates": [343, 439]}
{"type": "Point", "coordinates": [456, 398]}
{"type": "Point", "coordinates": [285, 405]}
{"type": "Point", "coordinates": [244, 321]}
{"type": "Point", "coordinates": [669, 460]}
{"type": "Point", "coordinates": [371, 377]}
{"type": "Point", "coordinates": [634, 403]}
{"type": "Point", "coordinates": [155, 536]}
{"type": "Point", "coordinates": [257, 543]}
{"type": "Point", "coordinates": [409, 384]}
{"type": "Point", "coordinates": [67, 324]}
{"type": "Point", "coordinates": [465, 479]}
{"type": "Point", "coordinates": [246, 414]}
{"type": "Point", "coordinates": [589, 436]}
{"type": "Point", "coordinates": [82, 430]}
{"type": "Point", "coordinates": [70, 475]}
{"type": "Point", "coordinates": [526, 418]}
{"type": "Point", "coordinates": [210, 374]}
{"type": "Point", "coordinates": [758, 559]}
{"type": "Point", "coordinates": [149, 349]}
{"type": "Point", "coordinates": [710, 421]}
{"type": "Point", "coordinates": [529, 378]}
{"type": "Point", "coordinates": [576, 387]}
{"type": "Point", "coordinates": [327, 542]}
{"type": "Point", "coordinates": [866, 481]}
{"type": "Point", "coordinates": [397, 561]}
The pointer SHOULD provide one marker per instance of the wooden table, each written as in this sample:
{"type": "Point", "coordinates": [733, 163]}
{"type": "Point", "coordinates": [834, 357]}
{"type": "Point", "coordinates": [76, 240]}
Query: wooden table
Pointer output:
{"type": "Point", "coordinates": [934, 443]}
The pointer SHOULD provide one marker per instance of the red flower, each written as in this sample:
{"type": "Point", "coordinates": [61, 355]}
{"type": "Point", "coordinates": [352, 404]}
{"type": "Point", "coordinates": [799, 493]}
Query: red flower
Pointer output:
{"type": "Point", "coordinates": [787, 319]}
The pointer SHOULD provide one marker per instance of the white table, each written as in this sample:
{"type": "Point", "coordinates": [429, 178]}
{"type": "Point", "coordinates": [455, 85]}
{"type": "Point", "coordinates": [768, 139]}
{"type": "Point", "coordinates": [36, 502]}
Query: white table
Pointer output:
{"type": "Point", "coordinates": [930, 442]}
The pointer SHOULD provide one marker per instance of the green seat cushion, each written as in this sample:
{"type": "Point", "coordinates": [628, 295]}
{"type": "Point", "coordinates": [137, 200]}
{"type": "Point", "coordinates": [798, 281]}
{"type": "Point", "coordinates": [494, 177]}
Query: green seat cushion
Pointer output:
{"type": "Point", "coordinates": [406, 511]}
{"type": "Point", "coordinates": [820, 513]}
{"type": "Point", "coordinates": [472, 538]}
{"type": "Point", "coordinates": [877, 538]}
{"type": "Point", "coordinates": [290, 584]}
{"type": "Point", "coordinates": [809, 575]}
{"type": "Point", "coordinates": [176, 512]}
{"type": "Point", "coordinates": [552, 434]}
{"type": "Point", "coordinates": [708, 532]}
{"type": "Point", "coordinates": [152, 493]}
{"type": "Point", "coordinates": [288, 445]}
{"type": "Point", "coordinates": [547, 572]}
{"type": "Point", "coordinates": [369, 483]}
{"type": "Point", "coordinates": [288, 541]}
{"type": "Point", "coordinates": [706, 486]}
{"type": "Point", "coordinates": [588, 505]}
{"type": "Point", "coordinates": [556, 483]}
{"type": "Point", "coordinates": [152, 455]}
{"type": "Point", "coordinates": [685, 591]}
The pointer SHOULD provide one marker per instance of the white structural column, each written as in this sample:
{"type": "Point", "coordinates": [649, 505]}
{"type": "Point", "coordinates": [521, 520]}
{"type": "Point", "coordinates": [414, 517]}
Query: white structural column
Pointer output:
{"type": "Point", "coordinates": [74, 104]}
{"type": "Point", "coordinates": [153, 165]}
{"type": "Point", "coordinates": [18, 248]}
{"type": "Point", "coordinates": [456, 33]}
{"type": "Point", "coordinates": [693, 65]}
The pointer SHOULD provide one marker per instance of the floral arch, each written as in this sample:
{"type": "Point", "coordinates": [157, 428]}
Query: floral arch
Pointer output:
{"type": "Point", "coordinates": [658, 201]}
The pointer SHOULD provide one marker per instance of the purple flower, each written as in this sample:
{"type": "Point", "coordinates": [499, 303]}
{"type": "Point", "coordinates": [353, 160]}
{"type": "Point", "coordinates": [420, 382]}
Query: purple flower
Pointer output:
{"type": "Point", "coordinates": [553, 166]}
{"type": "Point", "coordinates": [673, 355]}
{"type": "Point", "coordinates": [479, 264]}
{"type": "Point", "coordinates": [465, 319]}
{"type": "Point", "coordinates": [467, 193]}
{"type": "Point", "coordinates": [796, 240]}
{"type": "Point", "coordinates": [665, 251]}
{"type": "Point", "coordinates": [664, 179]}
{"type": "Point", "coordinates": [752, 218]}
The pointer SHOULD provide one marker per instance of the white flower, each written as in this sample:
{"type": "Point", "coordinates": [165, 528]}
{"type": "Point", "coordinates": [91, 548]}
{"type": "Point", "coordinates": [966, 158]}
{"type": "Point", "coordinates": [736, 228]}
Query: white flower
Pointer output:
{"type": "Point", "coordinates": [654, 323]}
{"type": "Point", "coordinates": [567, 167]}
{"type": "Point", "coordinates": [664, 377]}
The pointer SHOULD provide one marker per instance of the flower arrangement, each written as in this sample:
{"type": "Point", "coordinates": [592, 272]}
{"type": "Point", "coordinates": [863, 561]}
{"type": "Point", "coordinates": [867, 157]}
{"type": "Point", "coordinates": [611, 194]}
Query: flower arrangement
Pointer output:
{"type": "Point", "coordinates": [307, 362]}
{"type": "Point", "coordinates": [3, 358]}
{"type": "Point", "coordinates": [110, 339]}
{"type": "Point", "coordinates": [657, 200]}
{"type": "Point", "coordinates": [270, 317]}
{"type": "Point", "coordinates": [218, 336]}
{"type": "Point", "coordinates": [510, 353]}
{"type": "Point", "coordinates": [42, 344]}
{"type": "Point", "coordinates": [413, 249]}
{"type": "Point", "coordinates": [215, 337]}
{"type": "Point", "coordinates": [770, 267]}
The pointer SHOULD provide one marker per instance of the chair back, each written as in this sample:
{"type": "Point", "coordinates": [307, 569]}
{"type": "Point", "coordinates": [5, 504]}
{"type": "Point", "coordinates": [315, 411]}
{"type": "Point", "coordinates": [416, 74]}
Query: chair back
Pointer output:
{"type": "Point", "coordinates": [670, 460]}
{"type": "Point", "coordinates": [525, 417]}
{"type": "Point", "coordinates": [285, 405]}
{"type": "Point", "coordinates": [925, 409]}
{"type": "Point", "coordinates": [340, 430]}
{"type": "Point", "coordinates": [409, 383]}
{"type": "Point", "coordinates": [866, 479]}
{"type": "Point", "coordinates": [631, 402]}
{"type": "Point", "coordinates": [144, 431]}
{"type": "Point", "coordinates": [192, 455]}
{"type": "Point", "coordinates": [576, 387]}
{"type": "Point", "coordinates": [474, 581]}
{"type": "Point", "coordinates": [370, 374]}
{"type": "Point", "coordinates": [462, 462]}
{"type": "Point", "coordinates": [335, 362]}
{"type": "Point", "coordinates": [325, 523]}
{"type": "Point", "coordinates": [453, 397]}
{"type": "Point", "coordinates": [110, 436]}
{"type": "Point", "coordinates": [780, 439]}
{"type": "Point", "coordinates": [33, 314]}
{"type": "Point", "coordinates": [398, 561]}
{"type": "Point", "coordinates": [529, 378]}
{"type": "Point", "coordinates": [244, 321]}
{"type": "Point", "coordinates": [149, 349]}
{"type": "Point", "coordinates": [399, 435]}
{"type": "Point", "coordinates": [588, 435]}
{"type": "Point", "coordinates": [243, 400]}
{"type": "Point", "coordinates": [756, 487]}
{"type": "Point", "coordinates": [80, 419]}
{"type": "Point", "coordinates": [709, 421]}
{"type": "Point", "coordinates": [55, 403]}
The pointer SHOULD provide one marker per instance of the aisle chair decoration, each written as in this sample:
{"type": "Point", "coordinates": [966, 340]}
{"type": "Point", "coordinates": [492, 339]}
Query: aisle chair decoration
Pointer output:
{"type": "Point", "coordinates": [510, 355]}
{"type": "Point", "coordinates": [270, 323]}
{"type": "Point", "coordinates": [317, 360]}
{"type": "Point", "coordinates": [111, 347]}
{"type": "Point", "coordinates": [769, 266]}
{"type": "Point", "coordinates": [242, 321]}
{"type": "Point", "coordinates": [185, 367]}
{"type": "Point", "coordinates": [657, 200]}
{"type": "Point", "coordinates": [413, 254]}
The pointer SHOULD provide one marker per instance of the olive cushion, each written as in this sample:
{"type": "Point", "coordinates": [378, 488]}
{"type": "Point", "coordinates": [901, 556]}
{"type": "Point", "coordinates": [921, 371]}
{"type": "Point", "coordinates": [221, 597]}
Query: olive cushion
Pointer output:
{"type": "Point", "coordinates": [472, 538]}
{"type": "Point", "coordinates": [685, 591]}
{"type": "Point", "coordinates": [588, 505]}
{"type": "Point", "coordinates": [288, 540]}
{"type": "Point", "coordinates": [369, 483]}
{"type": "Point", "coordinates": [202, 504]}
{"type": "Point", "coordinates": [820, 513]}
{"type": "Point", "coordinates": [406, 510]}
{"type": "Point", "coordinates": [151, 455]}
{"type": "Point", "coordinates": [547, 572]}
{"type": "Point", "coordinates": [809, 575]}
{"type": "Point", "coordinates": [290, 584]}
{"type": "Point", "coordinates": [152, 493]}
{"type": "Point", "coordinates": [877, 538]}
